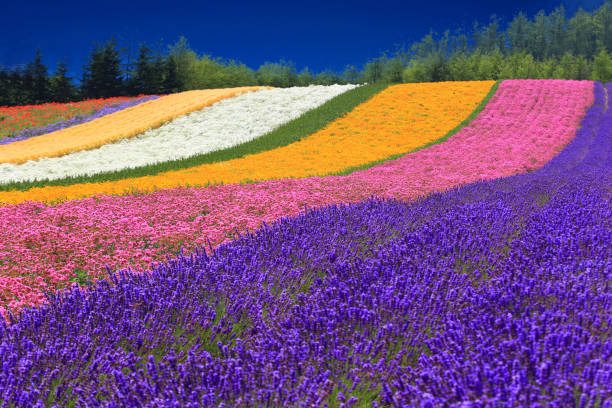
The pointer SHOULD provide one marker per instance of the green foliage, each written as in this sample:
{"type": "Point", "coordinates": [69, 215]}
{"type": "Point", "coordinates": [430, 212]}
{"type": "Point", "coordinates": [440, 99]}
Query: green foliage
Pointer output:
{"type": "Point", "coordinates": [61, 87]}
{"type": "Point", "coordinates": [148, 78]}
{"type": "Point", "coordinates": [602, 67]}
{"type": "Point", "coordinates": [102, 74]}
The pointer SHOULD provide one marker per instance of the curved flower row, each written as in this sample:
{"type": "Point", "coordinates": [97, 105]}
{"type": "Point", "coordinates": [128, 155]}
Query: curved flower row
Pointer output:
{"type": "Point", "coordinates": [496, 295]}
{"type": "Point", "coordinates": [224, 124]}
{"type": "Point", "coordinates": [47, 247]}
{"type": "Point", "coordinates": [15, 119]}
{"type": "Point", "coordinates": [124, 124]}
{"type": "Point", "coordinates": [395, 121]}
{"type": "Point", "coordinates": [77, 120]}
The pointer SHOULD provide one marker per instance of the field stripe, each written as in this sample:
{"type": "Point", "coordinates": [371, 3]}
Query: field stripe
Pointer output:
{"type": "Point", "coordinates": [126, 123]}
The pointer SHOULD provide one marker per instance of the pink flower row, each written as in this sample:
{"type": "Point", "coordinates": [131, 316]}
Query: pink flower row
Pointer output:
{"type": "Point", "coordinates": [42, 247]}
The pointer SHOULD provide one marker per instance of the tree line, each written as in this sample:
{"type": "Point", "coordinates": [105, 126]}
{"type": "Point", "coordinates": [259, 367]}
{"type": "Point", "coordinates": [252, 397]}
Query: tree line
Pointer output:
{"type": "Point", "coordinates": [545, 46]}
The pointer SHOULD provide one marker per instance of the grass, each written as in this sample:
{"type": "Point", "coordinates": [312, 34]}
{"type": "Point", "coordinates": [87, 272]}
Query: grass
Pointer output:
{"type": "Point", "coordinates": [293, 131]}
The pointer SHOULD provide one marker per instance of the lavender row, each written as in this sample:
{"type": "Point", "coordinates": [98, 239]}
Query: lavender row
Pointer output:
{"type": "Point", "coordinates": [76, 120]}
{"type": "Point", "coordinates": [490, 295]}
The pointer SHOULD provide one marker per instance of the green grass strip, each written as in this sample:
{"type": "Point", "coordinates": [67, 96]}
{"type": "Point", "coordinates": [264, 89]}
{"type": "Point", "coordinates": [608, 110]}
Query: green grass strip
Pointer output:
{"type": "Point", "coordinates": [453, 131]}
{"type": "Point", "coordinates": [293, 131]}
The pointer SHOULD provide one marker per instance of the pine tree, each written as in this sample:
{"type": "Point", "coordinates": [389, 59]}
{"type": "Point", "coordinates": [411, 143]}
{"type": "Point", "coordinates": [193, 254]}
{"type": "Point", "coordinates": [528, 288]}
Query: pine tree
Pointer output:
{"type": "Point", "coordinates": [171, 83]}
{"type": "Point", "coordinates": [40, 81]}
{"type": "Point", "coordinates": [102, 74]}
{"type": "Point", "coordinates": [144, 76]}
{"type": "Point", "coordinates": [62, 89]}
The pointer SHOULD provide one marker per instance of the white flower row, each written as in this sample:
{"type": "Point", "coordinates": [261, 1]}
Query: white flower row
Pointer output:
{"type": "Point", "coordinates": [224, 124]}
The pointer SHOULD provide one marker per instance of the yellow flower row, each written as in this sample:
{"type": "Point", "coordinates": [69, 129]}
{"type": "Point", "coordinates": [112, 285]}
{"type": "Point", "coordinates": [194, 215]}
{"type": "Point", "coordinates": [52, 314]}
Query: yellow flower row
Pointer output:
{"type": "Point", "coordinates": [398, 120]}
{"type": "Point", "coordinates": [123, 124]}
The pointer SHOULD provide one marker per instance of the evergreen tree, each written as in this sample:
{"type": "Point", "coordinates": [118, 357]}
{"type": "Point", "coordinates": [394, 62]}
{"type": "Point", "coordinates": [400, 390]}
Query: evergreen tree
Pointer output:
{"type": "Point", "coordinates": [602, 21]}
{"type": "Point", "coordinates": [581, 34]}
{"type": "Point", "coordinates": [171, 83]}
{"type": "Point", "coordinates": [557, 32]}
{"type": "Point", "coordinates": [62, 89]}
{"type": "Point", "coordinates": [518, 33]}
{"type": "Point", "coordinates": [102, 74]}
{"type": "Point", "coordinates": [146, 78]}
{"type": "Point", "coordinates": [24, 81]}
{"type": "Point", "coordinates": [4, 87]}
{"type": "Point", "coordinates": [539, 45]}
{"type": "Point", "coordinates": [39, 90]}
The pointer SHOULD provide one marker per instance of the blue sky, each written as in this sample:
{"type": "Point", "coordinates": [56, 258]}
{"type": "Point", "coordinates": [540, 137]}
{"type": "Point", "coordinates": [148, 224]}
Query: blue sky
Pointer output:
{"type": "Point", "coordinates": [317, 34]}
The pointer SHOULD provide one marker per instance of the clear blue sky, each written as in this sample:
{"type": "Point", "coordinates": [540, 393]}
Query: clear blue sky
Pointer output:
{"type": "Point", "coordinates": [318, 34]}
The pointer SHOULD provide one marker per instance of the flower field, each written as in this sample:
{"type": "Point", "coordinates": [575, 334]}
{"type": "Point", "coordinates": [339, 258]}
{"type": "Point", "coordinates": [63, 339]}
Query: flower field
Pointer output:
{"type": "Point", "coordinates": [438, 244]}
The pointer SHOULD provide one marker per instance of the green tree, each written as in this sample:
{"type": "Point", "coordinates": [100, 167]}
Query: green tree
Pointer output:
{"type": "Point", "coordinates": [539, 46]}
{"type": "Point", "coordinates": [171, 83]}
{"type": "Point", "coordinates": [62, 89]}
{"type": "Point", "coordinates": [326, 77]}
{"type": "Point", "coordinates": [373, 71]}
{"type": "Point", "coordinates": [557, 32]}
{"type": "Point", "coordinates": [581, 34]}
{"type": "Point", "coordinates": [279, 74]}
{"type": "Point", "coordinates": [184, 60]}
{"type": "Point", "coordinates": [148, 77]}
{"type": "Point", "coordinates": [40, 79]}
{"type": "Point", "coordinates": [393, 69]}
{"type": "Point", "coordinates": [602, 67]}
{"type": "Point", "coordinates": [351, 75]}
{"type": "Point", "coordinates": [102, 76]}
{"type": "Point", "coordinates": [305, 77]}
{"type": "Point", "coordinates": [602, 21]}
{"type": "Point", "coordinates": [461, 67]}
{"type": "Point", "coordinates": [518, 33]}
